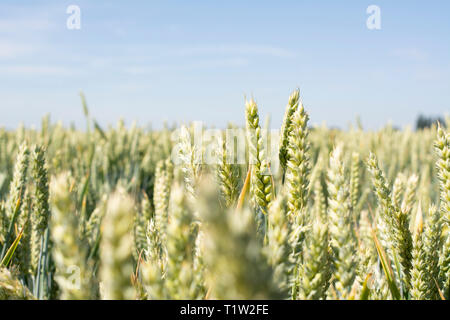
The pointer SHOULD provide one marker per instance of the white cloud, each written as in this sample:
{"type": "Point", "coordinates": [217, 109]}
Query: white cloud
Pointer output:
{"type": "Point", "coordinates": [205, 64]}
{"type": "Point", "coordinates": [21, 25]}
{"type": "Point", "coordinates": [42, 70]}
{"type": "Point", "coordinates": [431, 74]}
{"type": "Point", "coordinates": [11, 50]}
{"type": "Point", "coordinates": [23, 36]}
{"type": "Point", "coordinates": [410, 54]}
{"type": "Point", "coordinates": [242, 49]}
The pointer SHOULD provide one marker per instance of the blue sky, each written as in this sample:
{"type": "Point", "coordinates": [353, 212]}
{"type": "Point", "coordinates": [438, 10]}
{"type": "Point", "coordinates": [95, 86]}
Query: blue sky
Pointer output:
{"type": "Point", "coordinates": [182, 61]}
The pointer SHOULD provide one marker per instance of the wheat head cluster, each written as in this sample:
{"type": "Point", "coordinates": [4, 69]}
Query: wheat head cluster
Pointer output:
{"type": "Point", "coordinates": [107, 214]}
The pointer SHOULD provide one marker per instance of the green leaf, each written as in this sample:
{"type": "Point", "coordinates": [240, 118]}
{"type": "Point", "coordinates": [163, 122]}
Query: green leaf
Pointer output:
{"type": "Point", "coordinates": [100, 130]}
{"type": "Point", "coordinates": [11, 227]}
{"type": "Point", "coordinates": [387, 269]}
{"type": "Point", "coordinates": [365, 291]}
{"type": "Point", "coordinates": [84, 104]}
{"type": "Point", "coordinates": [244, 188]}
{"type": "Point", "coordinates": [9, 254]}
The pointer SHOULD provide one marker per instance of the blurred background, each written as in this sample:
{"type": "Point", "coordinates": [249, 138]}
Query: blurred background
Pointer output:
{"type": "Point", "coordinates": [181, 61]}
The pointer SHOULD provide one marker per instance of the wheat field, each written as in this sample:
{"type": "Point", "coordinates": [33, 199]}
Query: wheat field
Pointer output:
{"type": "Point", "coordinates": [310, 213]}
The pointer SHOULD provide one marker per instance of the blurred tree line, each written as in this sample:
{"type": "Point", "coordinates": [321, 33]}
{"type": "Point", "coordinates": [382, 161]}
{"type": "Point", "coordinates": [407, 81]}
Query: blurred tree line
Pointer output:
{"type": "Point", "coordinates": [426, 122]}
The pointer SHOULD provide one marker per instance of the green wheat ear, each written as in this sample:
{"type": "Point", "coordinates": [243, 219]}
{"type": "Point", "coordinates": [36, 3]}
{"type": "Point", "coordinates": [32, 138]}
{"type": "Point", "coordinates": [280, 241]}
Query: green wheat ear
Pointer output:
{"type": "Point", "coordinates": [398, 189]}
{"type": "Point", "coordinates": [161, 196]}
{"type": "Point", "coordinates": [278, 248]}
{"type": "Point", "coordinates": [236, 264]}
{"type": "Point", "coordinates": [286, 127]}
{"type": "Point", "coordinates": [18, 183]}
{"type": "Point", "coordinates": [41, 196]}
{"type": "Point", "coordinates": [343, 240]}
{"type": "Point", "coordinates": [261, 182]}
{"type": "Point", "coordinates": [15, 199]}
{"type": "Point", "coordinates": [397, 220]}
{"type": "Point", "coordinates": [298, 166]}
{"type": "Point", "coordinates": [23, 252]}
{"type": "Point", "coordinates": [116, 259]}
{"type": "Point", "coordinates": [227, 174]}
{"type": "Point", "coordinates": [442, 147]}
{"type": "Point", "coordinates": [297, 183]}
{"type": "Point", "coordinates": [432, 246]}
{"type": "Point", "coordinates": [315, 270]}
{"type": "Point", "coordinates": [190, 162]}
{"type": "Point", "coordinates": [69, 251]}
{"type": "Point", "coordinates": [420, 278]}
{"type": "Point", "coordinates": [355, 181]}
{"type": "Point", "coordinates": [17, 187]}
{"type": "Point", "coordinates": [181, 242]}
